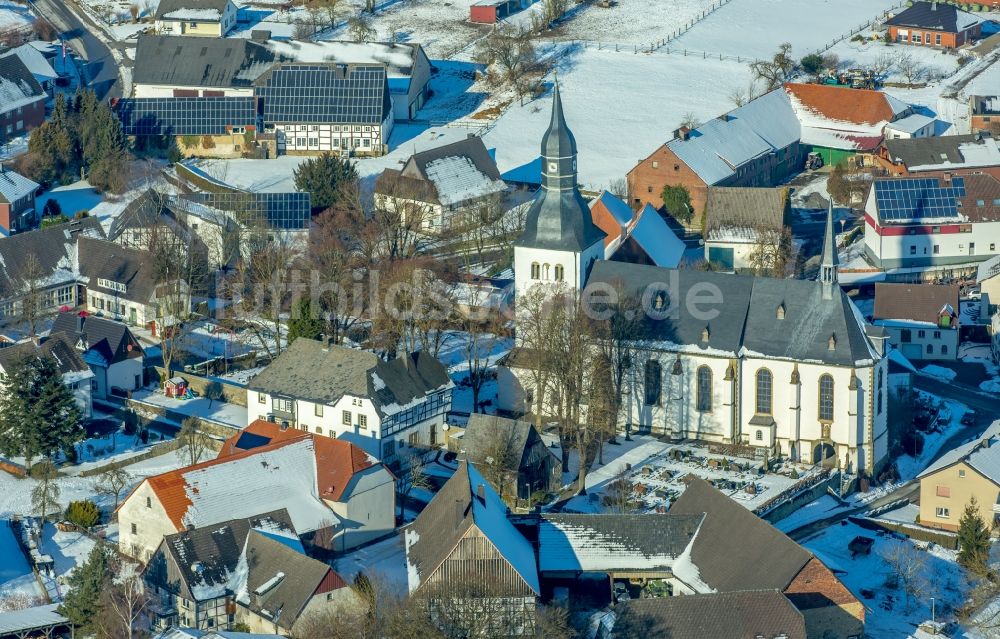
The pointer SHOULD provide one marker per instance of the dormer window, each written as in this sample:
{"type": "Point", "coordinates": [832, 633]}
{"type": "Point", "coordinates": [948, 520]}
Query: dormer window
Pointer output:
{"type": "Point", "coordinates": [832, 342]}
{"type": "Point", "coordinates": [660, 300]}
{"type": "Point", "coordinates": [781, 311]}
{"type": "Point", "coordinates": [705, 334]}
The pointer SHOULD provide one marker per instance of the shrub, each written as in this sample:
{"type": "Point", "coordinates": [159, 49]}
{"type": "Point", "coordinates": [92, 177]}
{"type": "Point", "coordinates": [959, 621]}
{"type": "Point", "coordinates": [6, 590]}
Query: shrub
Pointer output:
{"type": "Point", "coordinates": [190, 141]}
{"type": "Point", "coordinates": [207, 142]}
{"type": "Point", "coordinates": [84, 514]}
{"type": "Point", "coordinates": [51, 208]}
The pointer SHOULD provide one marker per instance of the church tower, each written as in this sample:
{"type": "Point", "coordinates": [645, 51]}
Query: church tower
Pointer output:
{"type": "Point", "coordinates": [560, 241]}
{"type": "Point", "coordinates": [829, 260]}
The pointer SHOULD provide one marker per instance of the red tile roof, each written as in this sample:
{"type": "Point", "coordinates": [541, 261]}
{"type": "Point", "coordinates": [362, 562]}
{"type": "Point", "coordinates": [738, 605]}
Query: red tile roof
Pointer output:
{"type": "Point", "coordinates": [843, 104]}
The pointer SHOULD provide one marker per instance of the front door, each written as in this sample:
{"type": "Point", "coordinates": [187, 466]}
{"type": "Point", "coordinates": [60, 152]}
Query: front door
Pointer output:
{"type": "Point", "coordinates": [132, 317]}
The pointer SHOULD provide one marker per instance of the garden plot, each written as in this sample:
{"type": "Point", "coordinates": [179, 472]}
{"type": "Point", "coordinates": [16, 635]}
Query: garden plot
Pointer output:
{"type": "Point", "coordinates": [871, 578]}
{"type": "Point", "coordinates": [660, 472]}
{"type": "Point", "coordinates": [932, 64]}
{"type": "Point", "coordinates": [755, 28]}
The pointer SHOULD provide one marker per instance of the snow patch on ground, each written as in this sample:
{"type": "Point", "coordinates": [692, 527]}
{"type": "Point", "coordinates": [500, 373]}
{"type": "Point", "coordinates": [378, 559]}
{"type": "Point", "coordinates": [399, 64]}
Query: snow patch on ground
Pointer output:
{"type": "Point", "coordinates": [940, 372]}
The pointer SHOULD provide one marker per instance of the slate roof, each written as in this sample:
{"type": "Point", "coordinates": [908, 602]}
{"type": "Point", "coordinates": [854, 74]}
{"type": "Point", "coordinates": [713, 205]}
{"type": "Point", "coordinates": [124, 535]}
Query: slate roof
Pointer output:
{"type": "Point", "coordinates": [934, 15]}
{"type": "Point", "coordinates": [337, 461]}
{"type": "Point", "coordinates": [18, 86]}
{"type": "Point", "coordinates": [716, 149]}
{"type": "Point", "coordinates": [915, 302]}
{"type": "Point", "coordinates": [204, 558]}
{"type": "Point", "coordinates": [447, 174]}
{"type": "Point", "coordinates": [944, 152]}
{"type": "Point", "coordinates": [988, 269]}
{"type": "Point", "coordinates": [748, 614]}
{"type": "Point", "coordinates": [735, 549]}
{"type": "Point", "coordinates": [113, 341]}
{"type": "Point", "coordinates": [744, 208]}
{"type": "Point", "coordinates": [324, 94]}
{"type": "Point", "coordinates": [35, 61]}
{"type": "Point", "coordinates": [315, 372]}
{"type": "Point", "coordinates": [649, 234]}
{"type": "Point", "coordinates": [54, 247]}
{"type": "Point", "coordinates": [188, 61]}
{"type": "Point", "coordinates": [609, 542]}
{"type": "Point", "coordinates": [170, 6]}
{"type": "Point", "coordinates": [455, 509]}
{"type": "Point", "coordinates": [482, 431]}
{"type": "Point", "coordinates": [132, 267]}
{"type": "Point", "coordinates": [281, 580]}
{"type": "Point", "coordinates": [14, 186]}
{"type": "Point", "coordinates": [982, 454]}
{"type": "Point", "coordinates": [57, 346]}
{"type": "Point", "coordinates": [747, 315]}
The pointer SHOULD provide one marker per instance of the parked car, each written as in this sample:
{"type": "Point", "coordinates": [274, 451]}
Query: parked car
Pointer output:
{"type": "Point", "coordinates": [620, 591]}
{"type": "Point", "coordinates": [969, 418]}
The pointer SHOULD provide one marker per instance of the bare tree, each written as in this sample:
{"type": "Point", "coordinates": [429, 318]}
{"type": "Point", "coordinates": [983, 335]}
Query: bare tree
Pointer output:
{"type": "Point", "coordinates": [125, 602]}
{"type": "Point", "coordinates": [774, 72]}
{"type": "Point", "coordinates": [771, 252]}
{"type": "Point", "coordinates": [193, 444]}
{"type": "Point", "coordinates": [619, 493]}
{"type": "Point", "coordinates": [882, 65]}
{"type": "Point", "coordinates": [554, 9]}
{"type": "Point", "coordinates": [689, 120]}
{"type": "Point", "coordinates": [481, 337]}
{"type": "Point", "coordinates": [911, 68]}
{"type": "Point", "coordinates": [533, 325]}
{"type": "Point", "coordinates": [35, 300]}
{"type": "Point", "coordinates": [360, 27]}
{"type": "Point", "coordinates": [618, 187]}
{"type": "Point", "coordinates": [908, 568]}
{"type": "Point", "coordinates": [740, 96]}
{"type": "Point", "coordinates": [113, 482]}
{"type": "Point", "coordinates": [411, 477]}
{"type": "Point", "coordinates": [510, 58]}
{"type": "Point", "coordinates": [45, 494]}
{"type": "Point", "coordinates": [340, 289]}
{"type": "Point", "coordinates": [499, 461]}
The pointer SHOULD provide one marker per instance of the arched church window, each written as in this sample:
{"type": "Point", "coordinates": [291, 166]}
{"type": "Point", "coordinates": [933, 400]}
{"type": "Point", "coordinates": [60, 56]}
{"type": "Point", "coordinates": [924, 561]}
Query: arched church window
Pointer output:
{"type": "Point", "coordinates": [878, 400]}
{"type": "Point", "coordinates": [764, 385]}
{"type": "Point", "coordinates": [704, 389]}
{"type": "Point", "coordinates": [826, 398]}
{"type": "Point", "coordinates": [654, 374]}
{"type": "Point", "coordinates": [545, 271]}
{"type": "Point", "coordinates": [536, 270]}
{"type": "Point", "coordinates": [559, 272]}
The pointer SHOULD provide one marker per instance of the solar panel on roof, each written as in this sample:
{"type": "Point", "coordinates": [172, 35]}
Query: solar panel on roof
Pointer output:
{"type": "Point", "coordinates": [284, 211]}
{"type": "Point", "coordinates": [916, 199]}
{"type": "Point", "coordinates": [185, 116]}
{"type": "Point", "coordinates": [324, 94]}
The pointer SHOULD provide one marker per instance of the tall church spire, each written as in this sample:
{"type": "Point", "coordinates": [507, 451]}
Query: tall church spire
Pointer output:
{"type": "Point", "coordinates": [829, 260]}
{"type": "Point", "coordinates": [559, 218]}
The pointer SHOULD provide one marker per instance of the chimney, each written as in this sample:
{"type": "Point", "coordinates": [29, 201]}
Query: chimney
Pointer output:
{"type": "Point", "coordinates": [682, 133]}
{"type": "Point", "coordinates": [284, 424]}
{"type": "Point", "coordinates": [947, 177]}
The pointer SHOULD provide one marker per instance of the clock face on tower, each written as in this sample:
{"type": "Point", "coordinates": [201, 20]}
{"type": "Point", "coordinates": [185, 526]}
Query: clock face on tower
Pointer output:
{"type": "Point", "coordinates": [553, 167]}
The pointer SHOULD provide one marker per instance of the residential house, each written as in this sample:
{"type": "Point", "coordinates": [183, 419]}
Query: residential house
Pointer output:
{"type": "Point", "coordinates": [732, 544]}
{"type": "Point", "coordinates": [58, 347]}
{"type": "Point", "coordinates": [37, 64]}
{"type": "Point", "coordinates": [391, 409]}
{"type": "Point", "coordinates": [783, 365]}
{"type": "Point", "coordinates": [922, 225]}
{"type": "Point", "coordinates": [253, 572]}
{"type": "Point", "coordinates": [756, 144]}
{"type": "Point", "coordinates": [407, 67]}
{"type": "Point", "coordinates": [22, 99]}
{"type": "Point", "coordinates": [464, 557]}
{"type": "Point", "coordinates": [636, 237]}
{"type": "Point", "coordinates": [122, 284]}
{"type": "Point", "coordinates": [970, 470]}
{"type": "Point", "coordinates": [110, 350]}
{"type": "Point", "coordinates": [921, 320]}
{"type": "Point", "coordinates": [934, 24]}
{"type": "Point", "coordinates": [354, 485]}
{"type": "Point", "coordinates": [493, 11]}
{"type": "Point", "coordinates": [212, 18]}
{"type": "Point", "coordinates": [189, 67]}
{"type": "Point", "coordinates": [837, 122]}
{"type": "Point", "coordinates": [985, 113]}
{"type": "Point", "coordinates": [17, 202]}
{"type": "Point", "coordinates": [434, 188]}
{"type": "Point", "coordinates": [748, 614]}
{"type": "Point", "coordinates": [955, 154]}
{"type": "Point", "coordinates": [742, 222]}
{"type": "Point", "coordinates": [988, 279]}
{"type": "Point", "coordinates": [912, 126]}
{"type": "Point", "coordinates": [49, 282]}
{"type": "Point", "coordinates": [326, 107]}
{"type": "Point", "coordinates": [284, 474]}
{"type": "Point", "coordinates": [524, 462]}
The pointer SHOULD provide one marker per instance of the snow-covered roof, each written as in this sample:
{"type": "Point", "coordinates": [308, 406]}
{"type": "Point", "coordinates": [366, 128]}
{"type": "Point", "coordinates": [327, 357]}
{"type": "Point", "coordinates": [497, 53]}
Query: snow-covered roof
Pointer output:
{"type": "Point", "coordinates": [841, 117]}
{"type": "Point", "coordinates": [982, 153]}
{"type": "Point", "coordinates": [270, 478]}
{"type": "Point", "coordinates": [36, 63]}
{"type": "Point", "coordinates": [911, 124]}
{"type": "Point", "coordinates": [397, 57]}
{"type": "Point", "coordinates": [14, 186]}
{"type": "Point", "coordinates": [982, 454]}
{"type": "Point", "coordinates": [28, 619]}
{"type": "Point", "coordinates": [457, 179]}
{"type": "Point", "coordinates": [18, 87]}
{"type": "Point", "coordinates": [193, 14]}
{"type": "Point", "coordinates": [656, 239]}
{"type": "Point", "coordinates": [617, 207]}
{"type": "Point", "coordinates": [717, 148]}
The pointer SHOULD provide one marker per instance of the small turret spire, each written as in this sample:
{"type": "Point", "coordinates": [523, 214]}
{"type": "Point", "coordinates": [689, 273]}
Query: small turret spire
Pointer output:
{"type": "Point", "coordinates": [829, 260]}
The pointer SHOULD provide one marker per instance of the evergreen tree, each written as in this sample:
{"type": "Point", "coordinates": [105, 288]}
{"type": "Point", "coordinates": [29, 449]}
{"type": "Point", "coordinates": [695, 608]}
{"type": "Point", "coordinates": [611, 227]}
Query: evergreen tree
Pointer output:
{"type": "Point", "coordinates": [81, 605]}
{"type": "Point", "coordinates": [973, 538]}
{"type": "Point", "coordinates": [328, 179]}
{"type": "Point", "coordinates": [38, 414]}
{"type": "Point", "coordinates": [677, 202]}
{"type": "Point", "coordinates": [303, 323]}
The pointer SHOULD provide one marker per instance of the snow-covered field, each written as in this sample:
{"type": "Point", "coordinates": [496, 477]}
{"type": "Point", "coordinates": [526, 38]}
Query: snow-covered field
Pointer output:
{"type": "Point", "coordinates": [14, 15]}
{"type": "Point", "coordinates": [632, 21]}
{"type": "Point", "coordinates": [933, 63]}
{"type": "Point", "coordinates": [655, 471]}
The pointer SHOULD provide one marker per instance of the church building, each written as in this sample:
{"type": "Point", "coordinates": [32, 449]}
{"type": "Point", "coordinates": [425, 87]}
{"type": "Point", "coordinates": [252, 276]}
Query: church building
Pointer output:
{"type": "Point", "coordinates": [783, 366]}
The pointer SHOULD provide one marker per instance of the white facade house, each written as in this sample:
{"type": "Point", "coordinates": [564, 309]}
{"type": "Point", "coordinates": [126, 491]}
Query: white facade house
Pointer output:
{"type": "Point", "coordinates": [391, 409]}
{"type": "Point", "coordinates": [110, 350]}
{"type": "Point", "coordinates": [920, 320]}
{"type": "Point", "coordinates": [76, 375]}
{"type": "Point", "coordinates": [912, 126]}
{"type": "Point", "coordinates": [736, 218]}
{"type": "Point", "coordinates": [946, 223]}
{"type": "Point", "coordinates": [196, 17]}
{"type": "Point", "coordinates": [782, 366]}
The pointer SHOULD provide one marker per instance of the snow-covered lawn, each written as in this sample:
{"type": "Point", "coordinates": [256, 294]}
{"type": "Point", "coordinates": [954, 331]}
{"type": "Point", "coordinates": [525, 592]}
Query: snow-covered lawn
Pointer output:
{"type": "Point", "coordinates": [940, 372]}
{"type": "Point", "coordinates": [934, 63]}
{"type": "Point", "coordinates": [14, 15]}
{"type": "Point", "coordinates": [888, 614]}
{"type": "Point", "coordinates": [764, 24]}
{"type": "Point", "coordinates": [384, 562]}
{"type": "Point", "coordinates": [654, 471]}
{"type": "Point", "coordinates": [67, 549]}
{"type": "Point", "coordinates": [825, 506]}
{"type": "Point", "coordinates": [950, 421]}
{"type": "Point", "coordinates": [72, 198]}
{"type": "Point", "coordinates": [632, 21]}
{"type": "Point", "coordinates": [16, 578]}
{"type": "Point", "coordinates": [214, 411]}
